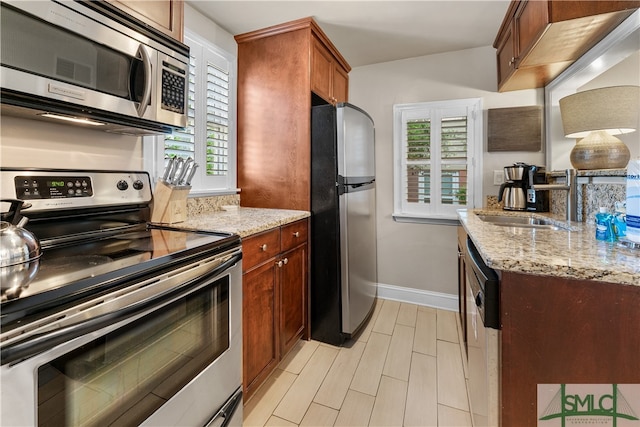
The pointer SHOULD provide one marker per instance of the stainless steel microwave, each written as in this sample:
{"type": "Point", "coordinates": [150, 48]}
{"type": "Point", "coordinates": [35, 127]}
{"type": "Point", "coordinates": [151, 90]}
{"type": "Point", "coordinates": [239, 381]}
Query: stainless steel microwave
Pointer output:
{"type": "Point", "coordinates": [89, 63]}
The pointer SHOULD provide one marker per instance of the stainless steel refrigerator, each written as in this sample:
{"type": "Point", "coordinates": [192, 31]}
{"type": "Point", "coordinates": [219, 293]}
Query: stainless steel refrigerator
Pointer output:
{"type": "Point", "coordinates": [344, 278]}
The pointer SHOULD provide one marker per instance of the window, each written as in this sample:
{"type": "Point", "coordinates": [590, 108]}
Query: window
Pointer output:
{"type": "Point", "coordinates": [437, 164]}
{"type": "Point", "coordinates": [209, 137]}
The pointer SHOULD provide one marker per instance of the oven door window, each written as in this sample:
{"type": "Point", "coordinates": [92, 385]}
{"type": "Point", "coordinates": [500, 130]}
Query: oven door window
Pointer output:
{"type": "Point", "coordinates": [124, 376]}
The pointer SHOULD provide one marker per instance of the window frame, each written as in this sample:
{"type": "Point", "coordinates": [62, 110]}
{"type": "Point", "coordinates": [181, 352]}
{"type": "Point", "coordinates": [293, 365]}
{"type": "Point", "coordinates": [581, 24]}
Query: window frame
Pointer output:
{"type": "Point", "coordinates": [436, 213]}
{"type": "Point", "coordinates": [153, 146]}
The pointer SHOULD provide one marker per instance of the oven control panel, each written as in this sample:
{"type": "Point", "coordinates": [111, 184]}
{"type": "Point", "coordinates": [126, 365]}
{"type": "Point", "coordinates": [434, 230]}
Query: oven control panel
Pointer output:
{"type": "Point", "coordinates": [56, 187]}
{"type": "Point", "coordinates": [66, 189]}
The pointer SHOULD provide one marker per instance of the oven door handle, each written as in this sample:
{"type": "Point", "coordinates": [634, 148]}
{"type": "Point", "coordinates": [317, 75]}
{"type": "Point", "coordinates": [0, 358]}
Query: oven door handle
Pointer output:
{"type": "Point", "coordinates": [44, 341]}
{"type": "Point", "coordinates": [223, 417]}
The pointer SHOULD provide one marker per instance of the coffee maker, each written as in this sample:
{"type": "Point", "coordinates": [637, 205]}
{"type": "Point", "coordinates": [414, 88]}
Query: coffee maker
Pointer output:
{"type": "Point", "coordinates": [537, 200]}
{"type": "Point", "coordinates": [518, 193]}
{"type": "Point", "coordinates": [513, 191]}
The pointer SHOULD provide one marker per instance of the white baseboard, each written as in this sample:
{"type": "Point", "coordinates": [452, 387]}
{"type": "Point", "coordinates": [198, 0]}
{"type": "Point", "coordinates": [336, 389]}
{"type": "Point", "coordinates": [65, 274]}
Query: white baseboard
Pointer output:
{"type": "Point", "coordinates": [418, 296]}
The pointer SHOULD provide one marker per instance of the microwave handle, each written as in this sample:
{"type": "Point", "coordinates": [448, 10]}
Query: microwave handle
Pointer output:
{"type": "Point", "coordinates": [146, 94]}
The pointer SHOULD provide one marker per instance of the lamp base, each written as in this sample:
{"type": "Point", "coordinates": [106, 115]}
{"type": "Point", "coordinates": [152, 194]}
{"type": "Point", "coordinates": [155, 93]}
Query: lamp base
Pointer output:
{"type": "Point", "coordinates": [599, 150]}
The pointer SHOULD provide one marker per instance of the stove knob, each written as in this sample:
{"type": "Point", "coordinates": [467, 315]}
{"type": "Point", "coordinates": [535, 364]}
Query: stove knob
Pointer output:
{"type": "Point", "coordinates": [138, 185]}
{"type": "Point", "coordinates": [122, 185]}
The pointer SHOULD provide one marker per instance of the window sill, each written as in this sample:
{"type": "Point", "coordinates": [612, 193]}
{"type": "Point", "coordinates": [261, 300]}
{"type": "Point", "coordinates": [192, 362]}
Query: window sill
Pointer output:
{"type": "Point", "coordinates": [418, 219]}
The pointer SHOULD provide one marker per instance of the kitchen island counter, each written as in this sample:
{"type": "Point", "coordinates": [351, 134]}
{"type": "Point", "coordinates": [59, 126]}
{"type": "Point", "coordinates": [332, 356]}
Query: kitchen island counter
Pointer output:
{"type": "Point", "coordinates": [570, 252]}
{"type": "Point", "coordinates": [240, 220]}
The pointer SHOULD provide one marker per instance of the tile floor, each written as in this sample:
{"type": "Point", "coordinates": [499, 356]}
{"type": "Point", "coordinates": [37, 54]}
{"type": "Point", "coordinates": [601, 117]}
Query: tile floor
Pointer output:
{"type": "Point", "coordinates": [405, 369]}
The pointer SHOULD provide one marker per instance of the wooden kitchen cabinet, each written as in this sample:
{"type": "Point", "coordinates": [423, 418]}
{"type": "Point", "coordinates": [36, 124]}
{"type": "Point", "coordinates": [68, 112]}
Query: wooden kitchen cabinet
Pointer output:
{"type": "Point", "coordinates": [166, 16]}
{"type": "Point", "coordinates": [275, 299]}
{"type": "Point", "coordinates": [539, 39]}
{"type": "Point", "coordinates": [329, 79]}
{"type": "Point", "coordinates": [282, 71]}
{"type": "Point", "coordinates": [564, 331]}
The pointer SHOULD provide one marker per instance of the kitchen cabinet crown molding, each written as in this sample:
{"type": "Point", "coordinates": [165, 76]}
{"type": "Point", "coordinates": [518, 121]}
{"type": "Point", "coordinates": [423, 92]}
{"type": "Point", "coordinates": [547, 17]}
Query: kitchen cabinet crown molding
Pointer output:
{"type": "Point", "coordinates": [299, 24]}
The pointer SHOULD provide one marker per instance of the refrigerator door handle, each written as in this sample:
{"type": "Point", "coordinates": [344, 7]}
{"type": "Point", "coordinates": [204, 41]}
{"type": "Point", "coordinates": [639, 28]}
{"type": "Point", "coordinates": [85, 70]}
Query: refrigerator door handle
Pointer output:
{"type": "Point", "coordinates": [352, 188]}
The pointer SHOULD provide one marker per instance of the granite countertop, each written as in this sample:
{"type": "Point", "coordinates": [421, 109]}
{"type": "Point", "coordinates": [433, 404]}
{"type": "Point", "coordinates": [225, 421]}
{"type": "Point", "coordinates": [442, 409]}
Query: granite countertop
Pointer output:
{"type": "Point", "coordinates": [241, 221]}
{"type": "Point", "coordinates": [571, 252]}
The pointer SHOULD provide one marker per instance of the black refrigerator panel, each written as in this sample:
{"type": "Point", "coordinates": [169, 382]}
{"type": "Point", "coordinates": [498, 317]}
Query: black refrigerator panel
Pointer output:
{"type": "Point", "coordinates": [325, 229]}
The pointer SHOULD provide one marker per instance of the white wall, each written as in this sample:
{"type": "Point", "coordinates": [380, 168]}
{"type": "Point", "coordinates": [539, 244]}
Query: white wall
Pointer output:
{"type": "Point", "coordinates": [422, 256]}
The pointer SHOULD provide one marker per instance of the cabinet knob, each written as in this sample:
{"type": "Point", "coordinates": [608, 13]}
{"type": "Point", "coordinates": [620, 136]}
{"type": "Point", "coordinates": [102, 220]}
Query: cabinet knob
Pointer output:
{"type": "Point", "coordinates": [263, 247]}
{"type": "Point", "coordinates": [279, 263]}
{"type": "Point", "coordinates": [286, 261]}
{"type": "Point", "coordinates": [296, 234]}
{"type": "Point", "coordinates": [512, 61]}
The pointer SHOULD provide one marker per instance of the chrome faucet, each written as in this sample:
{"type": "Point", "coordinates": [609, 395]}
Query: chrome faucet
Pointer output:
{"type": "Point", "coordinates": [572, 192]}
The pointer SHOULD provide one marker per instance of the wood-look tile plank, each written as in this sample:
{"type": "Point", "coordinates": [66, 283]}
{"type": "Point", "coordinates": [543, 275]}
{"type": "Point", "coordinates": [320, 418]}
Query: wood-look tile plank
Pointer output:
{"type": "Point", "coordinates": [299, 356]}
{"type": "Point", "coordinates": [319, 416]}
{"type": "Point", "coordinates": [422, 397]}
{"type": "Point", "coordinates": [399, 356]}
{"type": "Point", "coordinates": [369, 370]}
{"type": "Point", "coordinates": [451, 383]}
{"type": "Point", "coordinates": [388, 409]}
{"type": "Point", "coordinates": [425, 337]}
{"type": "Point", "coordinates": [366, 332]}
{"type": "Point", "coordinates": [262, 404]}
{"type": "Point", "coordinates": [452, 417]}
{"type": "Point", "coordinates": [356, 410]}
{"type": "Point", "coordinates": [336, 384]}
{"type": "Point", "coordinates": [447, 325]}
{"type": "Point", "coordinates": [295, 402]}
{"type": "Point", "coordinates": [278, 422]}
{"type": "Point", "coordinates": [407, 314]}
{"type": "Point", "coordinates": [387, 317]}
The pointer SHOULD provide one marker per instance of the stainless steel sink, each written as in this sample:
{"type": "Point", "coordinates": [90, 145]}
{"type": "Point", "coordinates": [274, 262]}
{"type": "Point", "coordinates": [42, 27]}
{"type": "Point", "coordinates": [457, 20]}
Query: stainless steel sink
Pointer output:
{"type": "Point", "coordinates": [520, 221]}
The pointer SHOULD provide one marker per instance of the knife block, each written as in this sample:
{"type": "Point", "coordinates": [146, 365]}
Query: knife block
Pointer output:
{"type": "Point", "coordinates": [169, 203]}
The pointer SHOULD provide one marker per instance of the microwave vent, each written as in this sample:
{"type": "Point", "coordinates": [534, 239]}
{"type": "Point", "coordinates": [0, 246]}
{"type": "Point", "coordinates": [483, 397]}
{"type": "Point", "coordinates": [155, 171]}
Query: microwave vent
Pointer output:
{"type": "Point", "coordinates": [73, 71]}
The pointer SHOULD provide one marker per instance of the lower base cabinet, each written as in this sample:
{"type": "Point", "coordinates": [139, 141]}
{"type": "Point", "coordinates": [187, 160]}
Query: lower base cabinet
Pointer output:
{"type": "Point", "coordinates": [275, 299]}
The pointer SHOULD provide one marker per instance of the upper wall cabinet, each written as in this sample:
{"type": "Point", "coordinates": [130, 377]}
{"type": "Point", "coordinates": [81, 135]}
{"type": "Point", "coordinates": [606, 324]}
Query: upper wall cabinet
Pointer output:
{"type": "Point", "coordinates": [164, 15]}
{"type": "Point", "coordinates": [329, 79]}
{"type": "Point", "coordinates": [538, 39]}
{"type": "Point", "coordinates": [282, 71]}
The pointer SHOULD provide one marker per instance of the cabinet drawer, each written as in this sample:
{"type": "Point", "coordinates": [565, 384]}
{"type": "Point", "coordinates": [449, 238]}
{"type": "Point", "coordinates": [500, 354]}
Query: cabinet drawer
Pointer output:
{"type": "Point", "coordinates": [259, 248]}
{"type": "Point", "coordinates": [294, 234]}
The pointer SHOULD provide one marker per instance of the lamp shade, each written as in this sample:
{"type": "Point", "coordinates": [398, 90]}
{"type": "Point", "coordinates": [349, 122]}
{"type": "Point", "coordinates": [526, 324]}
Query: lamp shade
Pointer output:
{"type": "Point", "coordinates": [614, 110]}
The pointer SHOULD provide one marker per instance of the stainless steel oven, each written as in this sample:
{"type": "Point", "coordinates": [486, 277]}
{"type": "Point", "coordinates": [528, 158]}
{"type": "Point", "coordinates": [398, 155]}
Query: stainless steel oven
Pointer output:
{"type": "Point", "coordinates": [126, 324]}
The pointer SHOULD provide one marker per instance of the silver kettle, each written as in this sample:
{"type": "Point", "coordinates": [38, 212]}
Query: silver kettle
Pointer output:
{"type": "Point", "coordinates": [19, 250]}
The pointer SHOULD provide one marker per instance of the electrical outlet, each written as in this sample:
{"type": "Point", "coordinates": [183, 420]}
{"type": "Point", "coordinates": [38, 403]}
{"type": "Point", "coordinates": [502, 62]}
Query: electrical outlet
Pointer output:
{"type": "Point", "coordinates": [498, 177]}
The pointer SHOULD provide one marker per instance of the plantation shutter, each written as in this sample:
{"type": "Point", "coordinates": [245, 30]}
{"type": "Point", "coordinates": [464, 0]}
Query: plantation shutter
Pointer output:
{"type": "Point", "coordinates": [433, 143]}
{"type": "Point", "coordinates": [217, 121]}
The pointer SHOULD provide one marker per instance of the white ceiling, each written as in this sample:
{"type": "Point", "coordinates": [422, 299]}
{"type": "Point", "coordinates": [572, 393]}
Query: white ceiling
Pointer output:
{"type": "Point", "coordinates": [369, 32]}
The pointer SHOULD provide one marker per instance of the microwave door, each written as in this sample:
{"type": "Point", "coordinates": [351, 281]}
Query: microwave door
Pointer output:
{"type": "Point", "coordinates": [56, 59]}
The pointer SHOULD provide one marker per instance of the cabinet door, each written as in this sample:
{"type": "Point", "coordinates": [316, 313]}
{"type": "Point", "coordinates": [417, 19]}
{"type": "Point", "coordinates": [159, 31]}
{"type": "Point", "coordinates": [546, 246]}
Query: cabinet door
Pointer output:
{"type": "Point", "coordinates": [321, 70]}
{"type": "Point", "coordinates": [506, 56]}
{"type": "Point", "coordinates": [293, 288]}
{"type": "Point", "coordinates": [340, 84]}
{"type": "Point", "coordinates": [164, 15]}
{"type": "Point", "coordinates": [259, 325]}
{"type": "Point", "coordinates": [531, 20]}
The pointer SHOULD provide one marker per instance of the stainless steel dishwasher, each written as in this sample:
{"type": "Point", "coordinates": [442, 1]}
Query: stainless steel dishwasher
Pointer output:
{"type": "Point", "coordinates": [483, 339]}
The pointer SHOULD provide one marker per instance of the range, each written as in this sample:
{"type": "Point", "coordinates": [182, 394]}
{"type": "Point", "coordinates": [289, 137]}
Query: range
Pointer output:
{"type": "Point", "coordinates": [113, 320]}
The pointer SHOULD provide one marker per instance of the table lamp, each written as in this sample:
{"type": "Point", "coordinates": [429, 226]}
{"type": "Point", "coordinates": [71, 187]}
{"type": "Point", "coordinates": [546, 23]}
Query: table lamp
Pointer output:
{"type": "Point", "coordinates": [593, 117]}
